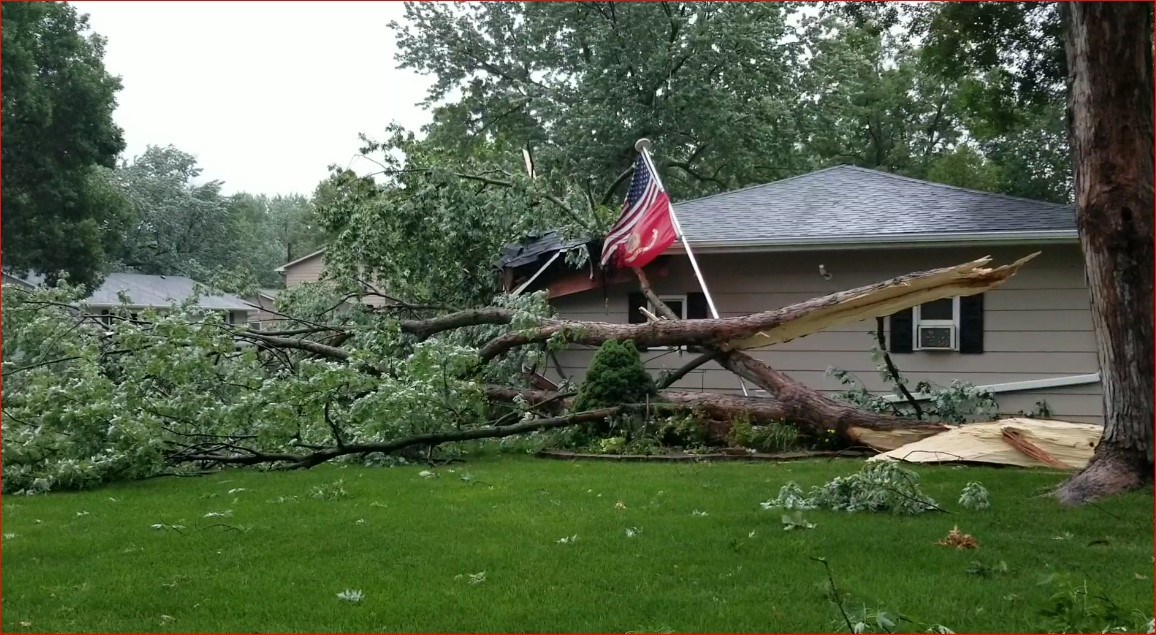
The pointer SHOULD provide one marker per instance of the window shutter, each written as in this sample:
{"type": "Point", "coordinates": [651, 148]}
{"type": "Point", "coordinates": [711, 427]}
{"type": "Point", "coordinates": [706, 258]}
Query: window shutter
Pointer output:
{"type": "Point", "coordinates": [900, 335]}
{"type": "Point", "coordinates": [696, 306]}
{"type": "Point", "coordinates": [971, 324]}
{"type": "Point", "coordinates": [634, 310]}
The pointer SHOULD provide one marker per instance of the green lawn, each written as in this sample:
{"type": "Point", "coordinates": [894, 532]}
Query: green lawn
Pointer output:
{"type": "Point", "coordinates": [92, 561]}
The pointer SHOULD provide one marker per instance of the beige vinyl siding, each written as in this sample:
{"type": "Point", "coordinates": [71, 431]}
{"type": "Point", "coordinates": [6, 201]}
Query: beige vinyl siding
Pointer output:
{"type": "Point", "coordinates": [1037, 326]}
{"type": "Point", "coordinates": [265, 311]}
{"type": "Point", "coordinates": [310, 270]}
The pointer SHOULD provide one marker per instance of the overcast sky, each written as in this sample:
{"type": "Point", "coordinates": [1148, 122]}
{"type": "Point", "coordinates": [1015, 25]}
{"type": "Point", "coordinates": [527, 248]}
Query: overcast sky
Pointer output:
{"type": "Point", "coordinates": [266, 95]}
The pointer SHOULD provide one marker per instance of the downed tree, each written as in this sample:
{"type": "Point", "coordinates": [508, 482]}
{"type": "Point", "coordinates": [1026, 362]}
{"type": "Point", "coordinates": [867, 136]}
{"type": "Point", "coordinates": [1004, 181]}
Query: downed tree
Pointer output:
{"type": "Point", "coordinates": [154, 390]}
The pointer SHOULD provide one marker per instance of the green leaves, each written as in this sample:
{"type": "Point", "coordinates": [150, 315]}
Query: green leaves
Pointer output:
{"type": "Point", "coordinates": [58, 130]}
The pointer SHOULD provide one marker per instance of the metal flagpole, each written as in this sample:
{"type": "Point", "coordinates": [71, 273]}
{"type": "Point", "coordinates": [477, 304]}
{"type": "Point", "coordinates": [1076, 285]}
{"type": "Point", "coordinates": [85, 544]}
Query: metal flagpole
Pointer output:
{"type": "Point", "coordinates": [643, 147]}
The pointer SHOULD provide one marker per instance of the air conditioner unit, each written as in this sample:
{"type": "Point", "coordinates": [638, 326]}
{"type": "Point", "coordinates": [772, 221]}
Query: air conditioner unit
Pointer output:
{"type": "Point", "coordinates": [936, 337]}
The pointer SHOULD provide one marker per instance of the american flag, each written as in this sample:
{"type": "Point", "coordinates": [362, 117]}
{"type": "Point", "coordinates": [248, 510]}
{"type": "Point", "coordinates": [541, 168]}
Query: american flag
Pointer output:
{"type": "Point", "coordinates": [645, 229]}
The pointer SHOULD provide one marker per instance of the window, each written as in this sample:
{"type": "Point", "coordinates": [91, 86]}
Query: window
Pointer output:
{"type": "Point", "coordinates": [688, 306]}
{"type": "Point", "coordinates": [677, 304]}
{"type": "Point", "coordinates": [254, 326]}
{"type": "Point", "coordinates": [106, 317]}
{"type": "Point", "coordinates": [950, 324]}
{"type": "Point", "coordinates": [937, 325]}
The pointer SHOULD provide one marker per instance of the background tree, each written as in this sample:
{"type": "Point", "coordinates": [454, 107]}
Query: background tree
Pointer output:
{"type": "Point", "coordinates": [1110, 57]}
{"type": "Point", "coordinates": [272, 231]}
{"type": "Point", "coordinates": [180, 226]}
{"type": "Point", "coordinates": [578, 83]}
{"type": "Point", "coordinates": [1004, 66]}
{"type": "Point", "coordinates": [868, 101]}
{"type": "Point", "coordinates": [58, 130]}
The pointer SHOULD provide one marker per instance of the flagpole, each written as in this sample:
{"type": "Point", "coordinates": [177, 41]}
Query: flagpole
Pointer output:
{"type": "Point", "coordinates": [643, 147]}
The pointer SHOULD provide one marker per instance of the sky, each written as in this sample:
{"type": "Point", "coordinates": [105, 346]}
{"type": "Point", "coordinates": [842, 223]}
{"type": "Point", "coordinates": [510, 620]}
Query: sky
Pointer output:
{"type": "Point", "coordinates": [266, 95]}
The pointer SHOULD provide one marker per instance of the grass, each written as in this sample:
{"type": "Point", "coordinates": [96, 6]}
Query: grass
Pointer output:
{"type": "Point", "coordinates": [92, 562]}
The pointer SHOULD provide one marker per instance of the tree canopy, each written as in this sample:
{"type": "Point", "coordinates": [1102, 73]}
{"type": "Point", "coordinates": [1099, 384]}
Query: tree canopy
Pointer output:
{"type": "Point", "coordinates": [58, 131]}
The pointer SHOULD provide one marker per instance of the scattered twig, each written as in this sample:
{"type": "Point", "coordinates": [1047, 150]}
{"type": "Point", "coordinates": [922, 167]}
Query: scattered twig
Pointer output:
{"type": "Point", "coordinates": [835, 593]}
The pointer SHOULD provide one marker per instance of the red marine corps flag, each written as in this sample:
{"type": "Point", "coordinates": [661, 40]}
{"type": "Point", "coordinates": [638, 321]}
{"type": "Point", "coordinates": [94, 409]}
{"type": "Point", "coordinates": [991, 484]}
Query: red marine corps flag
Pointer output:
{"type": "Point", "coordinates": [646, 227]}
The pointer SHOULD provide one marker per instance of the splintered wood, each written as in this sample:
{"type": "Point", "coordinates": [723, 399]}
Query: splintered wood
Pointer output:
{"type": "Point", "coordinates": [1016, 441]}
{"type": "Point", "coordinates": [885, 298]}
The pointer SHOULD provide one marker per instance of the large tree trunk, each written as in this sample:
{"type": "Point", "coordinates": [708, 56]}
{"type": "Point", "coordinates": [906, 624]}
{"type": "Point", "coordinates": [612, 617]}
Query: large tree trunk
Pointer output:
{"type": "Point", "coordinates": [780, 325]}
{"type": "Point", "coordinates": [1110, 118]}
{"type": "Point", "coordinates": [802, 407]}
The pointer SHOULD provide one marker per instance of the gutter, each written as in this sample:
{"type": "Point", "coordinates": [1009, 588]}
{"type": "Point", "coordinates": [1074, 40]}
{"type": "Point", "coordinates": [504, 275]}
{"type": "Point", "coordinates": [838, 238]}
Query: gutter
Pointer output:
{"type": "Point", "coordinates": [878, 241]}
{"type": "Point", "coordinates": [1018, 386]}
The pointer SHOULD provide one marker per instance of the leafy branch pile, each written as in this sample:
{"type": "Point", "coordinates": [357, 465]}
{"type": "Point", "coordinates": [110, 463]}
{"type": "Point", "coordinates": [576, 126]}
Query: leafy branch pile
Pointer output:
{"type": "Point", "coordinates": [877, 487]}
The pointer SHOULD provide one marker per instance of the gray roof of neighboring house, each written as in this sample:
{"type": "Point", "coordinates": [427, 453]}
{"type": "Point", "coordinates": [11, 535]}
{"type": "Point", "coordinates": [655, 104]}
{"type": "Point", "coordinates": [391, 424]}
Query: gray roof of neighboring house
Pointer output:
{"type": "Point", "coordinates": [159, 291]}
{"type": "Point", "coordinates": [146, 290]}
{"type": "Point", "coordinates": [846, 204]}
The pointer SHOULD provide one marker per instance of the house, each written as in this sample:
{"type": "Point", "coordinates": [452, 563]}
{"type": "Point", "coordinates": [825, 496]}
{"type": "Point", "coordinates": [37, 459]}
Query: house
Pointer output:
{"type": "Point", "coordinates": [150, 291]}
{"type": "Point", "coordinates": [264, 303]}
{"type": "Point", "coordinates": [307, 268]}
{"type": "Point", "coordinates": [310, 268]}
{"type": "Point", "coordinates": [768, 246]}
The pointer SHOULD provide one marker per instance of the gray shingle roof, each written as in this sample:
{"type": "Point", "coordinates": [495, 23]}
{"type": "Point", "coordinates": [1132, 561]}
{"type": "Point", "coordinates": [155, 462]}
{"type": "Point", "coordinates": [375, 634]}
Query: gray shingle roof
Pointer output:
{"type": "Point", "coordinates": [146, 290]}
{"type": "Point", "coordinates": [159, 291]}
{"type": "Point", "coordinates": [852, 204]}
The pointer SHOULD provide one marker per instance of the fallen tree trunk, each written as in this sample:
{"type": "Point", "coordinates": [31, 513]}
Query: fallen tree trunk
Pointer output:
{"type": "Point", "coordinates": [780, 325]}
{"type": "Point", "coordinates": [809, 409]}
{"type": "Point", "coordinates": [796, 403]}
{"type": "Point", "coordinates": [803, 408]}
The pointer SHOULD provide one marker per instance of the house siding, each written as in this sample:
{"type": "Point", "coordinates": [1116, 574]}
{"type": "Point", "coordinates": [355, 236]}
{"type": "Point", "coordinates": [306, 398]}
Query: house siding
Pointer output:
{"type": "Point", "coordinates": [310, 270]}
{"type": "Point", "coordinates": [1038, 325]}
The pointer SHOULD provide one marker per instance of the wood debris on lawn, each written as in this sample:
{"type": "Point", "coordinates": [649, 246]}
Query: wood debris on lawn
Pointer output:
{"type": "Point", "coordinates": [959, 540]}
{"type": "Point", "coordinates": [1016, 441]}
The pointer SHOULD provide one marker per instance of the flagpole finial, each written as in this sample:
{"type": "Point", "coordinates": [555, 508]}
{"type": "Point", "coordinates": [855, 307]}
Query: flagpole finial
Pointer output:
{"type": "Point", "coordinates": [642, 145]}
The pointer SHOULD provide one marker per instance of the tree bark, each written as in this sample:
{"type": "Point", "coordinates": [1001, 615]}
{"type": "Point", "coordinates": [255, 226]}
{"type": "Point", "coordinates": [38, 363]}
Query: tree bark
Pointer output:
{"type": "Point", "coordinates": [795, 404]}
{"type": "Point", "coordinates": [1110, 127]}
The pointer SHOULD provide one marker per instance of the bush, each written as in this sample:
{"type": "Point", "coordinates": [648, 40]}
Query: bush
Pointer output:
{"type": "Point", "coordinates": [616, 376]}
{"type": "Point", "coordinates": [774, 437]}
{"type": "Point", "coordinates": [684, 431]}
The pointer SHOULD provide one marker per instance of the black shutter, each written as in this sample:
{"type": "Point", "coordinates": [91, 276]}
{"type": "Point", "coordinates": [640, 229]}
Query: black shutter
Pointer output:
{"type": "Point", "coordinates": [971, 324]}
{"type": "Point", "coordinates": [634, 310]}
{"type": "Point", "coordinates": [696, 306]}
{"type": "Point", "coordinates": [900, 336]}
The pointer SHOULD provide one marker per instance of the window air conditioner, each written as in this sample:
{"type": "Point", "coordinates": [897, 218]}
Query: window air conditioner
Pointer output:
{"type": "Point", "coordinates": [936, 338]}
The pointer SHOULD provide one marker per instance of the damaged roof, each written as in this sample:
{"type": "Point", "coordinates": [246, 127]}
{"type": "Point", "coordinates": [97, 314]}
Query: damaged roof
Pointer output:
{"type": "Point", "coordinates": [535, 248]}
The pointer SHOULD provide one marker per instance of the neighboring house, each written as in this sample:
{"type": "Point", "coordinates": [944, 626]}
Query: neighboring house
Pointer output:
{"type": "Point", "coordinates": [264, 302]}
{"type": "Point", "coordinates": [310, 267]}
{"type": "Point", "coordinates": [149, 291]}
{"type": "Point", "coordinates": [307, 268]}
{"type": "Point", "coordinates": [768, 246]}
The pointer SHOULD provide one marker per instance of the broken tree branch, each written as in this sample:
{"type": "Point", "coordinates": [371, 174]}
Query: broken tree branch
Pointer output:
{"type": "Point", "coordinates": [780, 325]}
